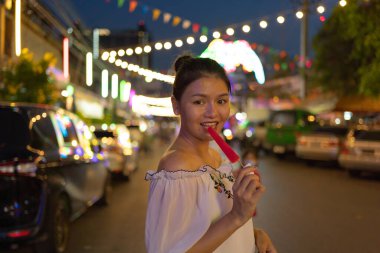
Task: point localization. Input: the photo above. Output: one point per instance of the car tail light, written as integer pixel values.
(18, 233)
(302, 141)
(19, 168)
(332, 143)
(344, 149)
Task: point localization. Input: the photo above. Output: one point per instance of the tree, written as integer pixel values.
(27, 81)
(347, 50)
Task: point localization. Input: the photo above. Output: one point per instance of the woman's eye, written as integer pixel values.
(222, 101)
(198, 102)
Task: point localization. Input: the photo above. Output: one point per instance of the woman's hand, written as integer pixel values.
(263, 242)
(247, 191)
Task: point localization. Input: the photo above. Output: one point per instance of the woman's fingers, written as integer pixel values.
(248, 185)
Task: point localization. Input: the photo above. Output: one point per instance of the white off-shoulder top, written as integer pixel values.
(183, 204)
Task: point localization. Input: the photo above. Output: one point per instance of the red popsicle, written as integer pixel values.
(227, 150)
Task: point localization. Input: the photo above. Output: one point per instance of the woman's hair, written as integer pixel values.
(189, 69)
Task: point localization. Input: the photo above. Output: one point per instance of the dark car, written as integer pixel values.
(50, 173)
(120, 152)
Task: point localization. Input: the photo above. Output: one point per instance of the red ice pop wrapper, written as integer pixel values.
(227, 150)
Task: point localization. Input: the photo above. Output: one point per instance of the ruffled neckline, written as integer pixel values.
(224, 170)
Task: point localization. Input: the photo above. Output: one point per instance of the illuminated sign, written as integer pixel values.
(232, 54)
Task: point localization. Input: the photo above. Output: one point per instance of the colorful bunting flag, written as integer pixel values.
(204, 30)
(132, 5)
(145, 9)
(186, 24)
(156, 14)
(195, 28)
(167, 17)
(120, 3)
(176, 20)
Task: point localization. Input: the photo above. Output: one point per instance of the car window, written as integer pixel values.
(43, 136)
(339, 131)
(283, 119)
(367, 135)
(67, 129)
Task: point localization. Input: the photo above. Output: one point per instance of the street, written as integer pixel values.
(305, 209)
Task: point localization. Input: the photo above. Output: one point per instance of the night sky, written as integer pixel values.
(213, 14)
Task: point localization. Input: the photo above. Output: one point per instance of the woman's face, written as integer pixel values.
(205, 103)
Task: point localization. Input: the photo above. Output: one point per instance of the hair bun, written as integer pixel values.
(181, 61)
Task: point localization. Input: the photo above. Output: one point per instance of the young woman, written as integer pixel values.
(195, 203)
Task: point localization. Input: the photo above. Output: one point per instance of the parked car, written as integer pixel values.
(120, 152)
(283, 128)
(50, 173)
(321, 144)
(361, 151)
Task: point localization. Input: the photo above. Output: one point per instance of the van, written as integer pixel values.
(283, 128)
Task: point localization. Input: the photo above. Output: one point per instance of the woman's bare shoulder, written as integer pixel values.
(174, 160)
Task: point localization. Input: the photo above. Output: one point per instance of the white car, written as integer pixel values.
(322, 144)
(361, 151)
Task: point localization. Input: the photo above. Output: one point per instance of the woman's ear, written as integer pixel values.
(175, 105)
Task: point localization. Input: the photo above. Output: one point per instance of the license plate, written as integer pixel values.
(278, 149)
(368, 151)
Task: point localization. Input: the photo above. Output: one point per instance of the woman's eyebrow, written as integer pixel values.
(204, 95)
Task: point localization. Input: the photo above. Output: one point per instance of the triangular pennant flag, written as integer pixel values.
(156, 14)
(145, 9)
(167, 17)
(195, 28)
(186, 24)
(132, 6)
(176, 20)
(204, 30)
(120, 3)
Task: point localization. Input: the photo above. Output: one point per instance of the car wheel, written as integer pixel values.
(107, 189)
(57, 229)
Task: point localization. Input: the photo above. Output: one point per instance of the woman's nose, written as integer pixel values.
(210, 110)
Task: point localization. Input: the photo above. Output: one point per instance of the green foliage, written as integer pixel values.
(347, 50)
(27, 81)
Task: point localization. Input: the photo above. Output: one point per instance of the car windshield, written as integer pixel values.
(284, 118)
(339, 131)
(367, 135)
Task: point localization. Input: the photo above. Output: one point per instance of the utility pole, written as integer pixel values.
(2, 32)
(304, 51)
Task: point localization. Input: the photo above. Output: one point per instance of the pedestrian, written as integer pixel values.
(195, 203)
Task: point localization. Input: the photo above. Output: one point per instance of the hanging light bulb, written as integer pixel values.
(138, 50)
(280, 19)
(113, 54)
(167, 45)
(263, 24)
(121, 52)
(178, 43)
(203, 38)
(129, 51)
(230, 31)
(246, 28)
(190, 40)
(105, 56)
(342, 3)
(147, 49)
(158, 46)
(299, 14)
(216, 35)
(320, 9)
